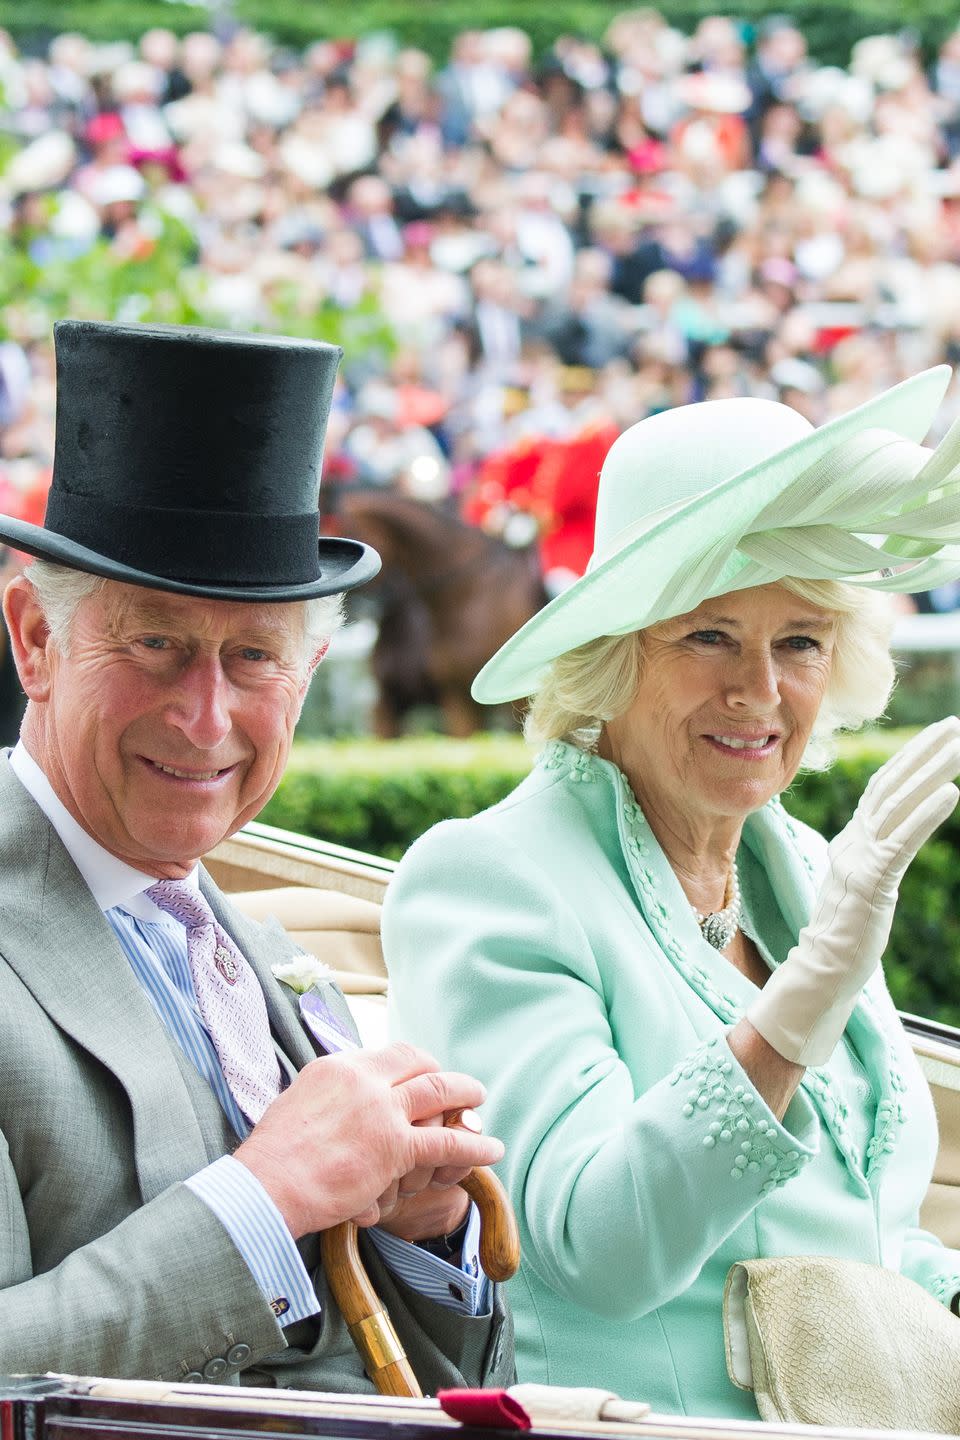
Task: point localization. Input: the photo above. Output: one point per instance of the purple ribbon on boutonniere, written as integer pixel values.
(332, 1031)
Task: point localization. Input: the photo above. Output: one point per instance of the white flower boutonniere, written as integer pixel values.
(322, 1007)
(301, 973)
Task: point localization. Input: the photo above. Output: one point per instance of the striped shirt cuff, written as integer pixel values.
(259, 1232)
(466, 1290)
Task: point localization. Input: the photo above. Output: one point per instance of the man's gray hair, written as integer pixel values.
(60, 591)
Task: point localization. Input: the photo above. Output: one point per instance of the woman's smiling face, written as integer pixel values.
(727, 700)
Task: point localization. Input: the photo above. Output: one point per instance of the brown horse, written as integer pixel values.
(451, 595)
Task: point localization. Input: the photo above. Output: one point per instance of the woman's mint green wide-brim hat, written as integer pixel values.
(719, 496)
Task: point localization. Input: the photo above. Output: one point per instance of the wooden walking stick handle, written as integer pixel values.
(499, 1238)
(371, 1328)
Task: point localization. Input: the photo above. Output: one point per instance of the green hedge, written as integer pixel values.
(380, 797)
(831, 26)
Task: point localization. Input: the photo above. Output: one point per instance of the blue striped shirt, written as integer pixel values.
(157, 952)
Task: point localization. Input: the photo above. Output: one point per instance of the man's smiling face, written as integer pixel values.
(167, 724)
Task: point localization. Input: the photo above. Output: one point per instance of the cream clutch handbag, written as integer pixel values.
(837, 1342)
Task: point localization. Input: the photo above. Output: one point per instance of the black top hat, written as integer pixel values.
(189, 460)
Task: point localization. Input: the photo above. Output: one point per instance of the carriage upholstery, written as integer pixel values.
(343, 930)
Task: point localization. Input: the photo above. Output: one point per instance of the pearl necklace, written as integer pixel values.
(719, 927)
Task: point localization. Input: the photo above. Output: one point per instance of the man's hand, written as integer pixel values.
(425, 1216)
(352, 1126)
(427, 1203)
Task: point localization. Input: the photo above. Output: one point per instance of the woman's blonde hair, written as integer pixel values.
(586, 687)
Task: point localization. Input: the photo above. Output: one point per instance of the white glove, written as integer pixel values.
(804, 1007)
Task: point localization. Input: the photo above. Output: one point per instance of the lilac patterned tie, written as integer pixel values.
(229, 998)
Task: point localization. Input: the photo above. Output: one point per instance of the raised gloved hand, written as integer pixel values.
(803, 1008)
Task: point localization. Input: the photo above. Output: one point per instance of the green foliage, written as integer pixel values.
(359, 328)
(32, 21)
(379, 797)
(99, 284)
(165, 286)
(831, 26)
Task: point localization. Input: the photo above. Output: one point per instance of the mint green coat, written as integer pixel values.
(547, 947)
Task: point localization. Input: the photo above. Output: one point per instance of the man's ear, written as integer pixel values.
(29, 637)
(315, 661)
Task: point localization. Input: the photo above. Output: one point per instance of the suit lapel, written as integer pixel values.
(55, 937)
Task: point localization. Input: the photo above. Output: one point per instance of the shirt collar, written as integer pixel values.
(111, 881)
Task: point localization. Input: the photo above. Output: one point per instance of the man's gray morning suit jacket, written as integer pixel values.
(109, 1265)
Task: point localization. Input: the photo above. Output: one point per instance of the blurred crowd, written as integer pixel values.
(553, 246)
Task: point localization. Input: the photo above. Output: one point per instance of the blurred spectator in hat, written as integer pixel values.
(69, 57)
(801, 385)
(779, 59)
(347, 136)
(369, 207)
(777, 281)
(497, 322)
(160, 48)
(472, 88)
(159, 167)
(509, 50)
(205, 113)
(724, 373)
(38, 107)
(415, 105)
(342, 265)
(717, 45)
(106, 141)
(532, 236)
(459, 239)
(618, 228)
(546, 212)
(138, 89)
(200, 57)
(517, 130)
(115, 193)
(41, 165)
(779, 134)
(663, 295)
(417, 297)
(587, 325)
(713, 136)
(250, 84)
(945, 83)
(424, 178)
